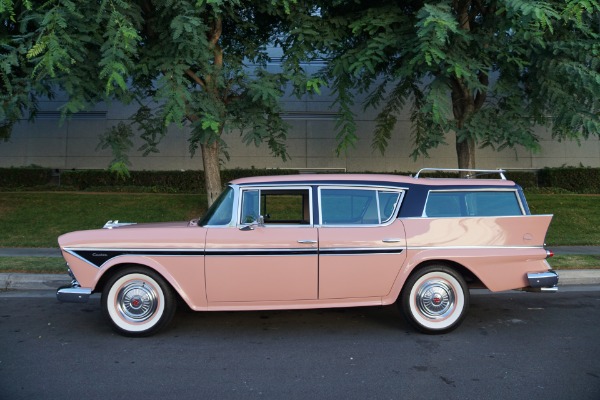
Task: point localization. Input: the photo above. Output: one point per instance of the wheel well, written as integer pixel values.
(471, 279)
(116, 268)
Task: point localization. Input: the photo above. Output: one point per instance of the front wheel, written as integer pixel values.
(435, 299)
(137, 302)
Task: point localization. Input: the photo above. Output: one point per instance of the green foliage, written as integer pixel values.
(119, 140)
(24, 177)
(489, 71)
(157, 181)
(575, 180)
(200, 63)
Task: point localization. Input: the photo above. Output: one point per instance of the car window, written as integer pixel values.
(275, 206)
(220, 212)
(357, 206)
(472, 204)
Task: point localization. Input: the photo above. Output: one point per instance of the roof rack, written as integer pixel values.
(474, 172)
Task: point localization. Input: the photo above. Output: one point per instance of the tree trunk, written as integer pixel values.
(212, 175)
(465, 152)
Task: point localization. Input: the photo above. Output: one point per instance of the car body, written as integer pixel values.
(318, 241)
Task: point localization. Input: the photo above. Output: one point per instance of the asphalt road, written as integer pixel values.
(513, 345)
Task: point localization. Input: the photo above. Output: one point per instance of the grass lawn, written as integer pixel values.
(36, 219)
(576, 218)
(33, 265)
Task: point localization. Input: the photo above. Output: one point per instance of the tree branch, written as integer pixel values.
(195, 78)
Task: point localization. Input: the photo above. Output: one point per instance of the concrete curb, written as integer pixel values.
(53, 281)
(33, 281)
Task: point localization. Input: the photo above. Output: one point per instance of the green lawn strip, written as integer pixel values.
(33, 265)
(576, 219)
(572, 261)
(36, 219)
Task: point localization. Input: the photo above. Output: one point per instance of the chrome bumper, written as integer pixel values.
(73, 293)
(542, 281)
(70, 294)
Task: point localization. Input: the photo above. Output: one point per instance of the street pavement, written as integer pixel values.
(18, 281)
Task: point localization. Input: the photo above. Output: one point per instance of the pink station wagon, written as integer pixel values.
(317, 241)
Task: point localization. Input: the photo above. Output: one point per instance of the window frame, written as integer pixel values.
(377, 189)
(278, 188)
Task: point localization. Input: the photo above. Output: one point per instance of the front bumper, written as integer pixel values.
(542, 281)
(71, 294)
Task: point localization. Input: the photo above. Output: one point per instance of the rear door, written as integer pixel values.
(362, 244)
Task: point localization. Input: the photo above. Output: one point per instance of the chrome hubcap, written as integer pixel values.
(435, 299)
(137, 301)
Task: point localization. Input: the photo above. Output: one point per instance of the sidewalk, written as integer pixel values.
(17, 281)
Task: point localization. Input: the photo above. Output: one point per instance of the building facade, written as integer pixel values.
(73, 144)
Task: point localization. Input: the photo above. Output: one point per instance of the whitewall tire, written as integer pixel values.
(435, 299)
(138, 302)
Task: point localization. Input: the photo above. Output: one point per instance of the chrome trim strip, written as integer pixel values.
(472, 247)
(481, 171)
(346, 251)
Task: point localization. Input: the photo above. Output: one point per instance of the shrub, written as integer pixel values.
(576, 180)
(24, 177)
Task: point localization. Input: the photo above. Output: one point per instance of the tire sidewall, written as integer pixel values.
(435, 325)
(161, 315)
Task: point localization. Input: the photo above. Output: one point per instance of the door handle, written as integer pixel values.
(307, 241)
(392, 240)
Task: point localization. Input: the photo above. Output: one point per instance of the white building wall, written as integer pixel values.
(311, 144)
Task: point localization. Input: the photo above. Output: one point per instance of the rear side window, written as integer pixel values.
(357, 206)
(472, 204)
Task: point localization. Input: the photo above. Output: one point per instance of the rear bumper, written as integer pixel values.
(542, 281)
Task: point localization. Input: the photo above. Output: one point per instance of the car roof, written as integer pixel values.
(368, 179)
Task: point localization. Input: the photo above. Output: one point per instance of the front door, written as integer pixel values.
(271, 253)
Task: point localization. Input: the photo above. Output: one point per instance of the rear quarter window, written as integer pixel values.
(472, 204)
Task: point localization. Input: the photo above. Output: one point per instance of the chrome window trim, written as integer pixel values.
(231, 222)
(240, 196)
(401, 191)
(473, 247)
(515, 191)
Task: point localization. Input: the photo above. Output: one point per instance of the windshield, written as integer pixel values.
(220, 212)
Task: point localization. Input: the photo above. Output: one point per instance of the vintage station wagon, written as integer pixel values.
(316, 241)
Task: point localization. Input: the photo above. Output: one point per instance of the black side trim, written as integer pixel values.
(350, 251)
(99, 257)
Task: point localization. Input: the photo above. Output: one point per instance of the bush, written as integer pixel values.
(548, 180)
(24, 177)
(156, 181)
(576, 180)
(525, 179)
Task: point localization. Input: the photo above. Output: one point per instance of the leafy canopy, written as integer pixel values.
(200, 62)
(488, 70)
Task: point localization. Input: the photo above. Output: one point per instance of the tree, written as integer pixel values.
(183, 61)
(487, 70)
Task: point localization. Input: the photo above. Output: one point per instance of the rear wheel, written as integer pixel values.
(138, 302)
(435, 299)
